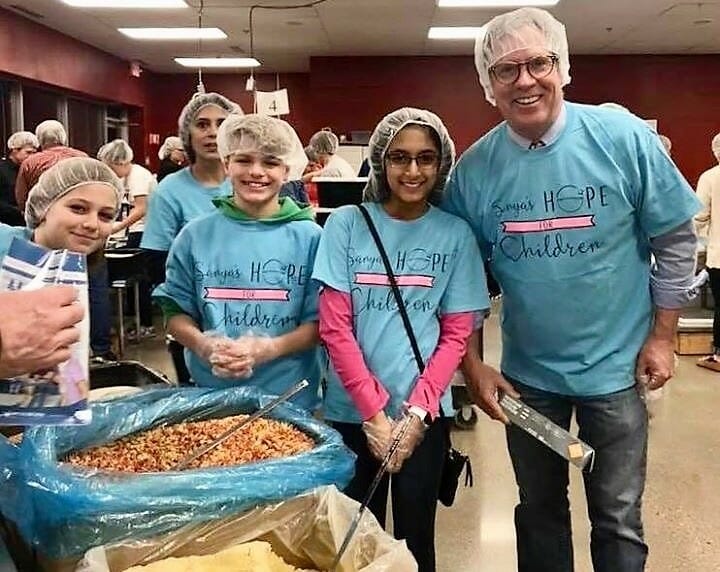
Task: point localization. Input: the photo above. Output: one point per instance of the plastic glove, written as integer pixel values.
(378, 431)
(262, 348)
(209, 344)
(412, 429)
(233, 359)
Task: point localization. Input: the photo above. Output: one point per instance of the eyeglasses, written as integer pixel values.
(401, 160)
(538, 67)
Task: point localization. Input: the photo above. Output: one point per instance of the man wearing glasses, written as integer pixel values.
(568, 202)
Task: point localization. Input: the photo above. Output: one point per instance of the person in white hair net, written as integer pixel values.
(20, 146)
(238, 293)
(376, 390)
(188, 193)
(72, 207)
(52, 139)
(138, 184)
(708, 224)
(568, 203)
(325, 145)
(172, 157)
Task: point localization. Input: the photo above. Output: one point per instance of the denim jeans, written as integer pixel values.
(100, 309)
(616, 426)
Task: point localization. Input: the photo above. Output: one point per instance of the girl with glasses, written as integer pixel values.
(375, 385)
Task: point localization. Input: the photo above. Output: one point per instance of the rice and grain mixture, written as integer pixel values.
(160, 449)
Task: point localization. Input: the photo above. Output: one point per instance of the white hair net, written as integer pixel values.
(377, 189)
(262, 134)
(22, 139)
(517, 30)
(172, 143)
(190, 111)
(51, 132)
(63, 177)
(115, 152)
(324, 142)
(715, 146)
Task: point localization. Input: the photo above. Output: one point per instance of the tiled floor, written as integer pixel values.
(682, 501)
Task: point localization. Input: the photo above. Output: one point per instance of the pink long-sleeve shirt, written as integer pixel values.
(367, 392)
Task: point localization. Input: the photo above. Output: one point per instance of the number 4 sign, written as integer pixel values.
(272, 102)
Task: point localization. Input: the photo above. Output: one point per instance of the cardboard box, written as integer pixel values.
(692, 343)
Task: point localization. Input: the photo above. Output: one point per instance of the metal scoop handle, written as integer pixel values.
(368, 496)
(200, 451)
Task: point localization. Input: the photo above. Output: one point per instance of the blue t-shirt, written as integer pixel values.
(178, 199)
(7, 233)
(439, 270)
(566, 230)
(238, 277)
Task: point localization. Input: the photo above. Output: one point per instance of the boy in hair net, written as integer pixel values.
(189, 192)
(375, 386)
(238, 293)
(568, 202)
(325, 145)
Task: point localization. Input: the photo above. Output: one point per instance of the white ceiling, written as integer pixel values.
(285, 39)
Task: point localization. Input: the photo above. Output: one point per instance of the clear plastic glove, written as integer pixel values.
(233, 358)
(210, 343)
(378, 432)
(412, 429)
(262, 348)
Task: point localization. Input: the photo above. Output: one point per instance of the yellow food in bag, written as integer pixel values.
(256, 556)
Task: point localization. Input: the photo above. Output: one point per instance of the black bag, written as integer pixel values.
(455, 461)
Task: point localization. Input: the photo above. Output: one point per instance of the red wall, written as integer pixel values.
(353, 93)
(30, 51)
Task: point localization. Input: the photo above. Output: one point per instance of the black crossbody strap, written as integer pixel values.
(396, 292)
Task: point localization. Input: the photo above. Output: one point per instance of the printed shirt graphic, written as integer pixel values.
(566, 229)
(178, 199)
(239, 277)
(438, 268)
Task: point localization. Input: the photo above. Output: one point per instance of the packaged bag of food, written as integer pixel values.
(61, 510)
(59, 395)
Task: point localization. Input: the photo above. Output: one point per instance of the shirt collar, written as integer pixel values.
(549, 137)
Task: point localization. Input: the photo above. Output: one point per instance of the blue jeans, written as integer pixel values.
(616, 426)
(100, 309)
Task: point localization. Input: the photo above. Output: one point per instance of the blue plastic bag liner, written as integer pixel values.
(59, 395)
(61, 511)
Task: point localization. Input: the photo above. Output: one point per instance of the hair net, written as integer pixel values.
(324, 142)
(115, 152)
(377, 189)
(516, 30)
(715, 146)
(51, 132)
(666, 141)
(262, 134)
(192, 108)
(311, 154)
(172, 143)
(64, 177)
(22, 139)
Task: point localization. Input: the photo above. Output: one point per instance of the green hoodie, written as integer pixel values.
(289, 211)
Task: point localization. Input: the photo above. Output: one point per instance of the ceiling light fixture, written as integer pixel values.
(218, 62)
(454, 32)
(174, 33)
(126, 3)
(494, 3)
